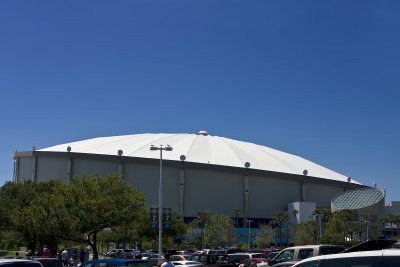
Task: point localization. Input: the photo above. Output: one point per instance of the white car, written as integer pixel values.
(19, 262)
(187, 263)
(374, 258)
(253, 262)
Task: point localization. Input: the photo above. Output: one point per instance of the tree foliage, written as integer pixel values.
(35, 210)
(217, 230)
(53, 212)
(99, 202)
(279, 218)
(139, 232)
(264, 236)
(305, 233)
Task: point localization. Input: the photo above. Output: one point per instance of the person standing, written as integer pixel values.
(46, 251)
(64, 257)
(167, 261)
(82, 255)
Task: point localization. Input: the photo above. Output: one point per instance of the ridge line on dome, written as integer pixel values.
(157, 139)
(196, 136)
(106, 143)
(228, 143)
(273, 157)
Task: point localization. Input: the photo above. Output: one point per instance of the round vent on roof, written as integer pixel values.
(204, 133)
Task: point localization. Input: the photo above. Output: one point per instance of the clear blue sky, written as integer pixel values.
(318, 79)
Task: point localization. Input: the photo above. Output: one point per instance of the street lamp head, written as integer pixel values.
(152, 147)
(168, 148)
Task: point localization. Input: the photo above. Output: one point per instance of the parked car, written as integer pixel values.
(19, 263)
(235, 258)
(272, 254)
(187, 263)
(153, 259)
(374, 258)
(183, 257)
(286, 264)
(204, 258)
(253, 262)
(377, 244)
(299, 253)
(49, 262)
(115, 262)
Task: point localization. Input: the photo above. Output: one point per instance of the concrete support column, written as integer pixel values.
(246, 180)
(16, 170)
(121, 169)
(181, 191)
(34, 168)
(303, 191)
(69, 170)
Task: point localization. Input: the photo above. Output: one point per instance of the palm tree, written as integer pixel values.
(295, 212)
(279, 218)
(237, 212)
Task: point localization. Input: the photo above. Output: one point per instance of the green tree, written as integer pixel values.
(305, 233)
(216, 230)
(347, 218)
(279, 219)
(139, 232)
(36, 210)
(101, 202)
(333, 232)
(264, 236)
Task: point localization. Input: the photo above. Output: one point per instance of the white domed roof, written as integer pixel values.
(202, 148)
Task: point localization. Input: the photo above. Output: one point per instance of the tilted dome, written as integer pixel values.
(358, 198)
(202, 148)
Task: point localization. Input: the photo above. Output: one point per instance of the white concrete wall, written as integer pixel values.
(84, 166)
(304, 210)
(219, 192)
(52, 168)
(393, 207)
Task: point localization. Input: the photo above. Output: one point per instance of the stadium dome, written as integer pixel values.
(202, 148)
(202, 173)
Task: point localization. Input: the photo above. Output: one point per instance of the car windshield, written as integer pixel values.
(259, 255)
(238, 257)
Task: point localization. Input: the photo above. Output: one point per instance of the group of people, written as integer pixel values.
(71, 257)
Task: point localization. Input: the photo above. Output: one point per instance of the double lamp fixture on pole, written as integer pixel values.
(161, 148)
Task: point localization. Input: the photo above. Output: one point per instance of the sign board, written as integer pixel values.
(167, 220)
(154, 218)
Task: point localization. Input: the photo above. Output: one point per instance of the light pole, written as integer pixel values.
(320, 217)
(160, 211)
(248, 238)
(366, 224)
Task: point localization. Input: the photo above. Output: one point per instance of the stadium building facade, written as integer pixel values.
(201, 173)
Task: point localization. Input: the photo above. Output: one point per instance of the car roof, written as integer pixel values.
(377, 244)
(385, 252)
(14, 260)
(44, 258)
(116, 260)
(313, 246)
